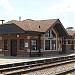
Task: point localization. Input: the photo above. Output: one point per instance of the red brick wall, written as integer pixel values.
(22, 52)
(47, 53)
(69, 47)
(19, 52)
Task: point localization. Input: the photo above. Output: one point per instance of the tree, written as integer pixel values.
(70, 28)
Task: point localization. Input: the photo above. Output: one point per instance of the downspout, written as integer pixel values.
(39, 45)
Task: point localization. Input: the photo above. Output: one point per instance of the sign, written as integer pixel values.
(26, 44)
(50, 38)
(0, 49)
(74, 47)
(0, 38)
(28, 37)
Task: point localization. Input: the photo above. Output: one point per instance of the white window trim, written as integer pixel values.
(46, 38)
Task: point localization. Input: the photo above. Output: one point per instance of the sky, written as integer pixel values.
(39, 10)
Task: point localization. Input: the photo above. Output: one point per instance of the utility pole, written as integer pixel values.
(2, 21)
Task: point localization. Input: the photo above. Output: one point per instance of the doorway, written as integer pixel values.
(13, 47)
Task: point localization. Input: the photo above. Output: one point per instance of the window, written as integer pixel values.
(34, 44)
(53, 34)
(64, 42)
(47, 34)
(21, 44)
(69, 42)
(74, 42)
(47, 44)
(50, 42)
(53, 45)
(5, 44)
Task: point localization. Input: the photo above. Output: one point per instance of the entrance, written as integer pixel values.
(63, 45)
(34, 51)
(13, 47)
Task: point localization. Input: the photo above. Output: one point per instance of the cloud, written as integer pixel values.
(63, 6)
(7, 6)
(63, 10)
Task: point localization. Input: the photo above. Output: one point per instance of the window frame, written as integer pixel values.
(48, 42)
(21, 44)
(47, 34)
(53, 44)
(33, 45)
(52, 37)
(5, 44)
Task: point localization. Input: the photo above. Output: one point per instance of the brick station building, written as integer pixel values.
(70, 41)
(32, 37)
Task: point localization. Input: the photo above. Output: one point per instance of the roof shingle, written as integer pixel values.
(71, 32)
(33, 25)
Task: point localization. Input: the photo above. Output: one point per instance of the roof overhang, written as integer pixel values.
(60, 28)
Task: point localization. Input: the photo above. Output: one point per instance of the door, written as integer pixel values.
(63, 46)
(13, 47)
(34, 48)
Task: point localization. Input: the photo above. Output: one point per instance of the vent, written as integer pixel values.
(39, 26)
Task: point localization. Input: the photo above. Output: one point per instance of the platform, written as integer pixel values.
(11, 59)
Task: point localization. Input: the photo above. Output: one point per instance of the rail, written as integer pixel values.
(25, 67)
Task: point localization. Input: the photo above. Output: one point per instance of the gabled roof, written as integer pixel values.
(60, 28)
(71, 32)
(37, 26)
(34, 25)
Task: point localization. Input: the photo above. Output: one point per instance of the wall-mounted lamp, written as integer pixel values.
(17, 35)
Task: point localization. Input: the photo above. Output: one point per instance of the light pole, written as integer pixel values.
(2, 21)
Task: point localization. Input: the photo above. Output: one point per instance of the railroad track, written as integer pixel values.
(26, 67)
